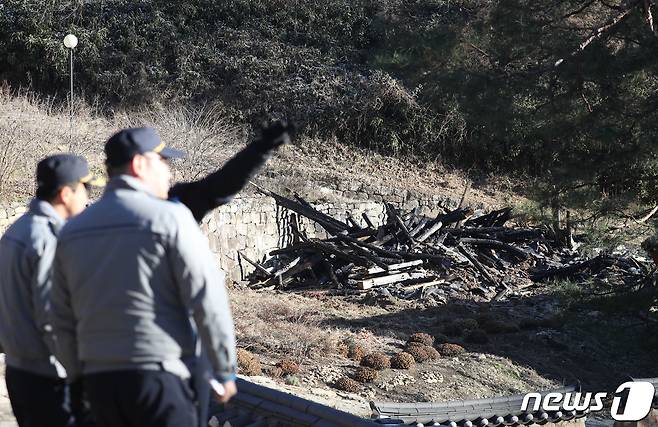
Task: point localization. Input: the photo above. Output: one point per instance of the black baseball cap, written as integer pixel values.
(125, 144)
(56, 171)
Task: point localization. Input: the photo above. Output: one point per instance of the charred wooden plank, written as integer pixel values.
(482, 269)
(256, 265)
(285, 276)
(297, 247)
(352, 221)
(418, 228)
(490, 243)
(562, 271)
(331, 273)
(396, 218)
(328, 248)
(367, 220)
(396, 267)
(367, 255)
(436, 226)
(287, 267)
(423, 285)
(372, 247)
(330, 224)
(386, 280)
(493, 219)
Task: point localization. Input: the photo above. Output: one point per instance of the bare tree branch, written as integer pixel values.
(611, 6)
(648, 15)
(479, 50)
(589, 106)
(579, 10)
(599, 32)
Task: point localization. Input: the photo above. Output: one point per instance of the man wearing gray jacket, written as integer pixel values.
(134, 282)
(36, 386)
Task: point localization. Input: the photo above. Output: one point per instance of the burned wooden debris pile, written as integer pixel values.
(458, 253)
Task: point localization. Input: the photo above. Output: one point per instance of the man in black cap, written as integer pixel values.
(35, 380)
(135, 283)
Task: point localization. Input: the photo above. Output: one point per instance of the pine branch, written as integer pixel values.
(579, 10)
(648, 15)
(601, 31)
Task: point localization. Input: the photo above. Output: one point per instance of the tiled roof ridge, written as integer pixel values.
(260, 406)
(497, 411)
(494, 411)
(257, 405)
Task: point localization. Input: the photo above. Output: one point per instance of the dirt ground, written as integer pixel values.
(534, 344)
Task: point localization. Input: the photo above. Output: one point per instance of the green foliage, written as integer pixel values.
(266, 58)
(473, 82)
(570, 294)
(588, 124)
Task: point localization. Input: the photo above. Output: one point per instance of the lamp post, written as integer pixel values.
(70, 42)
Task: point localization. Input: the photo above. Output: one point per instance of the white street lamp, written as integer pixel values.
(70, 42)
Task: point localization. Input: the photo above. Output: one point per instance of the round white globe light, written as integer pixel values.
(70, 41)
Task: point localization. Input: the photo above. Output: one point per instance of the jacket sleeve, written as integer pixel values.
(201, 288)
(41, 287)
(219, 187)
(63, 322)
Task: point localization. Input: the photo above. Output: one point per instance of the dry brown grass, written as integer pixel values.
(422, 352)
(274, 371)
(378, 361)
(365, 375)
(281, 327)
(418, 352)
(450, 350)
(248, 363)
(356, 352)
(421, 337)
(31, 128)
(288, 366)
(402, 360)
(347, 384)
(432, 352)
(342, 349)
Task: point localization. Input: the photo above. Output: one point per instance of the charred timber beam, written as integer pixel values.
(489, 243)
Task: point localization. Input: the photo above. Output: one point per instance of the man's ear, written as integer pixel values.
(137, 165)
(64, 194)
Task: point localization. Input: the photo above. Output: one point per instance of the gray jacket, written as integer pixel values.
(26, 254)
(134, 282)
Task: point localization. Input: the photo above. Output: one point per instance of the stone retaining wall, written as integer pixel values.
(254, 225)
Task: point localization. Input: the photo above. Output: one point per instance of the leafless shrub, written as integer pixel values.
(202, 132)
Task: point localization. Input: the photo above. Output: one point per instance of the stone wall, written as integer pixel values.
(254, 225)
(10, 212)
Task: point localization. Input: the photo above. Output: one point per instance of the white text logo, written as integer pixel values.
(630, 402)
